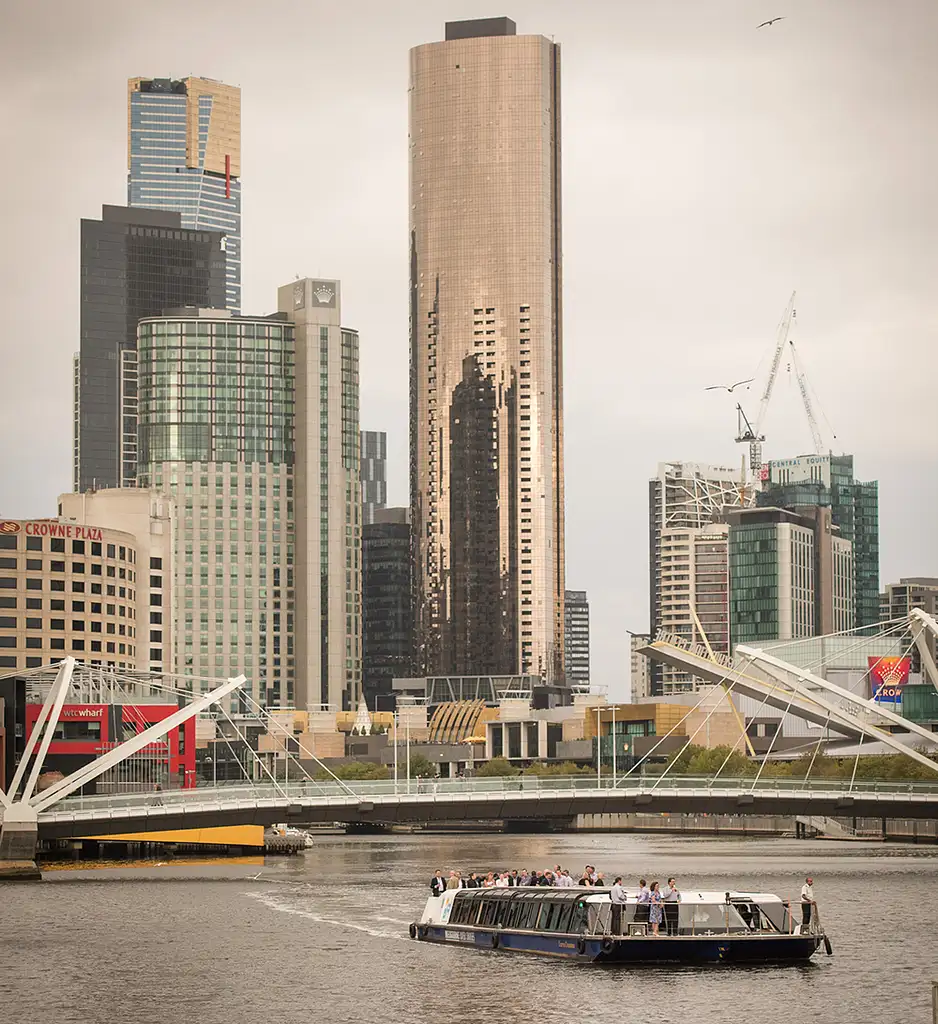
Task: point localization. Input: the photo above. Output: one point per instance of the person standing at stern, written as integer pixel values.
(807, 902)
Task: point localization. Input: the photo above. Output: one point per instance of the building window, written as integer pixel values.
(34, 543)
(7, 583)
(57, 643)
(7, 542)
(78, 547)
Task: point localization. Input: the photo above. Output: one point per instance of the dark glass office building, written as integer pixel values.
(828, 480)
(134, 263)
(387, 638)
(374, 473)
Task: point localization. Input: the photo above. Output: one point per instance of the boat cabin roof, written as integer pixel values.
(594, 895)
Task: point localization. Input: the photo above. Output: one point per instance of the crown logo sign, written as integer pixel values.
(323, 293)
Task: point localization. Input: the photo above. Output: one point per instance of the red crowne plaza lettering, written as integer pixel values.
(65, 530)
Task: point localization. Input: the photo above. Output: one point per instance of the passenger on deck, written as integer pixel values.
(453, 881)
(617, 895)
(807, 902)
(513, 878)
(437, 884)
(655, 910)
(671, 898)
(644, 902)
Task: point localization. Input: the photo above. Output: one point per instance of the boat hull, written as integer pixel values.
(683, 949)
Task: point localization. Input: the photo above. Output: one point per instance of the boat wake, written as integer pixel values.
(275, 901)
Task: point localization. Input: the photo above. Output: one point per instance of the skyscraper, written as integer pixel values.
(791, 575)
(387, 634)
(328, 497)
(184, 154)
(486, 352)
(134, 264)
(576, 611)
(687, 558)
(217, 433)
(374, 470)
(828, 480)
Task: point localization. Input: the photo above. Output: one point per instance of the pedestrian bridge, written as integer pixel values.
(529, 798)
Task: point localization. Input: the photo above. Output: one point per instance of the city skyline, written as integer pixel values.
(858, 256)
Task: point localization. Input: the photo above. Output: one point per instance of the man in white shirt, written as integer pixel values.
(807, 902)
(671, 898)
(619, 900)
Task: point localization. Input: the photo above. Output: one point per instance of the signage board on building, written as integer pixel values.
(888, 675)
(805, 468)
(51, 528)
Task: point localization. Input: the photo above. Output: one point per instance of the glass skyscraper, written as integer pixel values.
(217, 401)
(184, 154)
(828, 481)
(486, 387)
(134, 264)
(374, 470)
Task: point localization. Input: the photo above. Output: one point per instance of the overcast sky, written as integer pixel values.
(709, 169)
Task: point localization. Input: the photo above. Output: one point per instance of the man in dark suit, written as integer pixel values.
(437, 884)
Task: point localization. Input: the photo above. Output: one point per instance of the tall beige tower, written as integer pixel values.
(327, 497)
(486, 352)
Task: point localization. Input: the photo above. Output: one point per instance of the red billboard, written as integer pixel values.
(887, 677)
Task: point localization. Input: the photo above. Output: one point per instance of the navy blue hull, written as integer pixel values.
(685, 949)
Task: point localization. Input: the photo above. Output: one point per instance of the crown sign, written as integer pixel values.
(323, 293)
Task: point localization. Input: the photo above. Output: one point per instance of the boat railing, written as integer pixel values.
(736, 916)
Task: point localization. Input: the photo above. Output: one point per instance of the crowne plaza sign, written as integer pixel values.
(50, 528)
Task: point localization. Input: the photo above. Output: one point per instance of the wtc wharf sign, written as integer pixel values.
(46, 528)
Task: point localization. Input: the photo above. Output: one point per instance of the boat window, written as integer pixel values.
(775, 916)
(563, 917)
(512, 915)
(714, 917)
(578, 918)
(487, 915)
(530, 905)
(599, 918)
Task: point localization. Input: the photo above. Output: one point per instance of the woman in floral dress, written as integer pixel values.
(656, 910)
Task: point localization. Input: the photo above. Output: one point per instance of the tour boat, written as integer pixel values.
(710, 927)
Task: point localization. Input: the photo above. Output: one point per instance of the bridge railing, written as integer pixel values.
(484, 789)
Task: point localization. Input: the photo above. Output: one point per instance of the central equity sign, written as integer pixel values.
(51, 528)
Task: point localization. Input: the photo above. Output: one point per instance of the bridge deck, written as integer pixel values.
(479, 799)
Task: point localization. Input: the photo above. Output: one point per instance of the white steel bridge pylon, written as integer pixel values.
(21, 804)
(758, 674)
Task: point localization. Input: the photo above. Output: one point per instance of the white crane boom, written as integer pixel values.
(806, 399)
(747, 433)
(781, 338)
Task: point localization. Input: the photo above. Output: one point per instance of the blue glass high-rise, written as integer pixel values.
(184, 154)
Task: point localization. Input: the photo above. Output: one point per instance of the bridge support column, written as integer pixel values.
(19, 833)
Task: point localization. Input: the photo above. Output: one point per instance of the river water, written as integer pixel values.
(323, 937)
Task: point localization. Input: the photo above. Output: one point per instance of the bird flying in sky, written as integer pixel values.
(771, 21)
(731, 388)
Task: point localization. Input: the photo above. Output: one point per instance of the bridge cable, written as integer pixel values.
(690, 738)
(817, 749)
(733, 747)
(272, 721)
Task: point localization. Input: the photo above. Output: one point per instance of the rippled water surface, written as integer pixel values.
(323, 937)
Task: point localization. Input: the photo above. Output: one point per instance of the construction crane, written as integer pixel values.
(752, 435)
(806, 400)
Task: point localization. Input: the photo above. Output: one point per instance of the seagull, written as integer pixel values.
(771, 21)
(732, 388)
